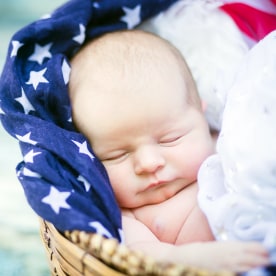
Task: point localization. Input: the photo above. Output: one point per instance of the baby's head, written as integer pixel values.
(134, 99)
(124, 62)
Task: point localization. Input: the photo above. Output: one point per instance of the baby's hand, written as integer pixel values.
(231, 256)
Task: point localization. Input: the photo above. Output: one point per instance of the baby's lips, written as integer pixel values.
(155, 184)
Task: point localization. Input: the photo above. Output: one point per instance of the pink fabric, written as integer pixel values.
(254, 21)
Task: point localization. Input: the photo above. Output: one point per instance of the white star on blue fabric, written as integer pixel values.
(36, 77)
(29, 157)
(57, 199)
(23, 100)
(86, 184)
(40, 53)
(132, 16)
(65, 68)
(26, 138)
(83, 148)
(15, 47)
(100, 228)
(81, 36)
(30, 173)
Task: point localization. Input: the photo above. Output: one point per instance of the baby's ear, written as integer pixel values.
(203, 106)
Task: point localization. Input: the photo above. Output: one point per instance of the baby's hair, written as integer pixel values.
(130, 52)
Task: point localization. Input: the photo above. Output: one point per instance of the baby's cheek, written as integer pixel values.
(120, 182)
(113, 178)
(190, 168)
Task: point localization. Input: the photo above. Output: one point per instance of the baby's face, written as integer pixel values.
(151, 141)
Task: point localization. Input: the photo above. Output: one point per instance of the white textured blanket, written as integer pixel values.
(238, 184)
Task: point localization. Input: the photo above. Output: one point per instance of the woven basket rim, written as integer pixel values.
(80, 253)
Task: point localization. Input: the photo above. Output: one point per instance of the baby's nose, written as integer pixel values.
(148, 159)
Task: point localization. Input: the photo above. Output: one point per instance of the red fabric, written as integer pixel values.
(253, 22)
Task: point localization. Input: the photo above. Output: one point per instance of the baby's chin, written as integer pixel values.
(159, 194)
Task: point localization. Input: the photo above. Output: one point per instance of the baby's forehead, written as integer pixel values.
(127, 47)
(128, 52)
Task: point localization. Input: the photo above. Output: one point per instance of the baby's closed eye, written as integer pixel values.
(170, 140)
(115, 156)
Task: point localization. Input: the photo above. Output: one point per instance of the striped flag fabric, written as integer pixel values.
(254, 18)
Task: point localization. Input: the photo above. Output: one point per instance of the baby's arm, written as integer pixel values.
(231, 256)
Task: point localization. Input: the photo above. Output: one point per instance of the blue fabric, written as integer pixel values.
(63, 181)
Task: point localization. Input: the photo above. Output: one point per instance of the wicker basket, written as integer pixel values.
(79, 253)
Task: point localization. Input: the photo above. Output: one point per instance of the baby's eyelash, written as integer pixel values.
(170, 140)
(115, 157)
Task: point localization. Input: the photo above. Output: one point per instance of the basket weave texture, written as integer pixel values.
(79, 253)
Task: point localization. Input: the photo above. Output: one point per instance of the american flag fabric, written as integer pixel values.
(255, 18)
(62, 179)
